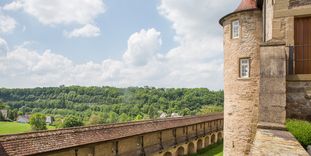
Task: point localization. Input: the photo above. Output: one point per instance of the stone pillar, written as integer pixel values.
(272, 112)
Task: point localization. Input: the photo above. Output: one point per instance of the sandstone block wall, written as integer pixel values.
(298, 100)
(241, 95)
(283, 14)
(272, 85)
(132, 146)
(297, 3)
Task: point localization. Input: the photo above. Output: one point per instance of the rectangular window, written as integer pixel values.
(235, 29)
(244, 68)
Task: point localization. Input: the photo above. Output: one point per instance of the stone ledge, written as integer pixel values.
(271, 126)
(276, 143)
(299, 77)
(272, 43)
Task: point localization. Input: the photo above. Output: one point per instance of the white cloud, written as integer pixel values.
(142, 47)
(7, 24)
(141, 65)
(85, 31)
(195, 62)
(64, 12)
(15, 5)
(3, 47)
(51, 12)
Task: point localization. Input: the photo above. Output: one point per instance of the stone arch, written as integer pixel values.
(199, 144)
(168, 154)
(191, 149)
(180, 151)
(213, 139)
(219, 136)
(206, 141)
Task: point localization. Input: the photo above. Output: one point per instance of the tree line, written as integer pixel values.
(94, 105)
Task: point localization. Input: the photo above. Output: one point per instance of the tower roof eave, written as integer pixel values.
(245, 5)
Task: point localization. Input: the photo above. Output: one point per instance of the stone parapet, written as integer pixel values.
(276, 143)
(272, 96)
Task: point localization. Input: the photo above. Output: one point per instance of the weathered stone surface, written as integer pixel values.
(298, 101)
(276, 143)
(241, 95)
(297, 3)
(272, 100)
(309, 149)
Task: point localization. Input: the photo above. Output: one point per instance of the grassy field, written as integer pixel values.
(14, 127)
(213, 150)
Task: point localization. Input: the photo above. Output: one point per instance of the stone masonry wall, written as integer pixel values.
(297, 3)
(241, 95)
(299, 100)
(272, 85)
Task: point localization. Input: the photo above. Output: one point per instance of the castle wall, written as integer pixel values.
(241, 95)
(131, 146)
(284, 13)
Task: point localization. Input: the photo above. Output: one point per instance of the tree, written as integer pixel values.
(210, 109)
(37, 122)
(152, 112)
(2, 105)
(94, 120)
(138, 117)
(123, 118)
(72, 121)
(1, 116)
(113, 117)
(12, 114)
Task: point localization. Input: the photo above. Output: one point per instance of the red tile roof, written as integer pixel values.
(246, 5)
(46, 141)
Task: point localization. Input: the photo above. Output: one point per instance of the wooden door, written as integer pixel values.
(303, 45)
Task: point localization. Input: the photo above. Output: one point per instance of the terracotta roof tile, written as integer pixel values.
(247, 5)
(45, 141)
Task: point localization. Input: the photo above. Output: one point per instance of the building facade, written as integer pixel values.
(267, 69)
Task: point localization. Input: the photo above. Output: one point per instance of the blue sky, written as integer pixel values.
(162, 43)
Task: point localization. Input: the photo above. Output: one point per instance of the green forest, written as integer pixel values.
(97, 105)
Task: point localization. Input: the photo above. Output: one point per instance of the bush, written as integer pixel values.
(72, 121)
(37, 122)
(301, 130)
(207, 109)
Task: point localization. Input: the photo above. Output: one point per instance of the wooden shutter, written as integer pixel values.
(303, 45)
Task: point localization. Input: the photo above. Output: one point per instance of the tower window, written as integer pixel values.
(235, 29)
(244, 68)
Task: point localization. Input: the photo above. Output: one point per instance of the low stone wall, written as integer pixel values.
(298, 100)
(276, 142)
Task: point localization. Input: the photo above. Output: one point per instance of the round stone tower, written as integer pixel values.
(242, 37)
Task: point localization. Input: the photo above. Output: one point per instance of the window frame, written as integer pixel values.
(233, 25)
(241, 64)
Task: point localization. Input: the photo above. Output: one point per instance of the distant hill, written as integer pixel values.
(130, 102)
